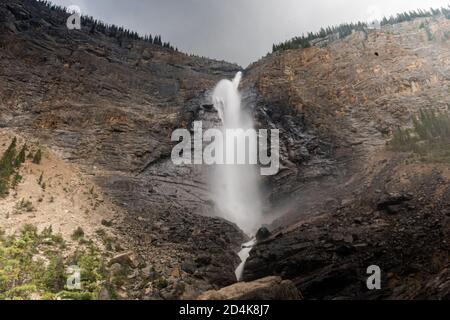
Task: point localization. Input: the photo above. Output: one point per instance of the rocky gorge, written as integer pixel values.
(342, 200)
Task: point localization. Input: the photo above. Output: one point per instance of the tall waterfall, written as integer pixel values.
(236, 186)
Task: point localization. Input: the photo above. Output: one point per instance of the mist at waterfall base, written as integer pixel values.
(236, 190)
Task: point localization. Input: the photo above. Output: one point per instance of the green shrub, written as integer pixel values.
(24, 206)
(41, 182)
(20, 159)
(29, 230)
(22, 292)
(37, 158)
(54, 277)
(10, 163)
(91, 266)
(78, 234)
(161, 283)
(7, 167)
(106, 223)
(16, 180)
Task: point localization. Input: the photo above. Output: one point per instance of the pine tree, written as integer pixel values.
(7, 167)
(37, 157)
(21, 156)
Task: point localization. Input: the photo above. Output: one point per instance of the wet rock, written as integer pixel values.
(262, 234)
(394, 209)
(270, 288)
(208, 107)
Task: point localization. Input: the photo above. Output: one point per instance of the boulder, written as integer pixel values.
(270, 288)
(262, 234)
(393, 199)
(125, 259)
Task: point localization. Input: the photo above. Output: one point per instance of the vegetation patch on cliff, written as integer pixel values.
(9, 164)
(34, 265)
(429, 137)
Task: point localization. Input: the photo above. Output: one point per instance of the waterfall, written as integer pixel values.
(236, 186)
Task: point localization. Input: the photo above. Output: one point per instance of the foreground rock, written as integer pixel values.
(270, 288)
(263, 233)
(125, 259)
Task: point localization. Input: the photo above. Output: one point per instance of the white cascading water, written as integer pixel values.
(236, 186)
(243, 255)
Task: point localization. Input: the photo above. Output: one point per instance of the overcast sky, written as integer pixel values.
(238, 31)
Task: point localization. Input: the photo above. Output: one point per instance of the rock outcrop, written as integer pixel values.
(270, 288)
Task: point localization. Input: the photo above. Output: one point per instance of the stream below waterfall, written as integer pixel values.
(243, 255)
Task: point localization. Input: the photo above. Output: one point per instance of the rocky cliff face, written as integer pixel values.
(109, 106)
(349, 202)
(340, 203)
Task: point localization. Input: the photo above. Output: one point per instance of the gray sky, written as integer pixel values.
(238, 31)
